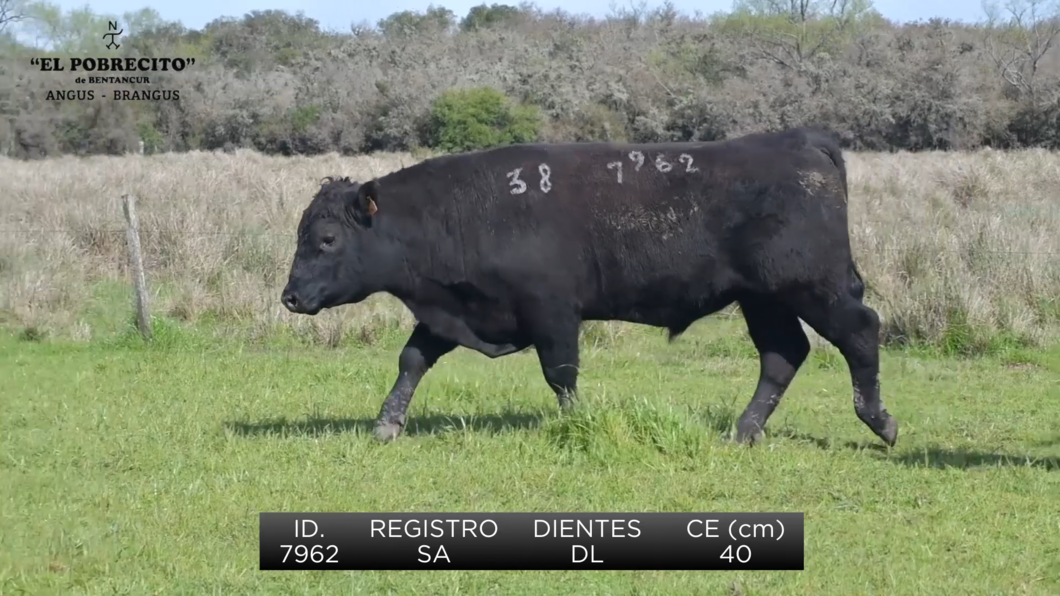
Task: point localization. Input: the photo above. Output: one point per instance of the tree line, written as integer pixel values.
(279, 83)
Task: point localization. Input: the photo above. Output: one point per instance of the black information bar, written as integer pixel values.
(532, 541)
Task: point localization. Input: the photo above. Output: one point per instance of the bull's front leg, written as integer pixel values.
(421, 351)
(555, 336)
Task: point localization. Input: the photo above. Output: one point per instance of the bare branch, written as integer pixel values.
(10, 12)
(1018, 46)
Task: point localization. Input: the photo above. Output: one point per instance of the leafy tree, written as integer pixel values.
(408, 24)
(491, 17)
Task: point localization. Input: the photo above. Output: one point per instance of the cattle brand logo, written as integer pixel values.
(113, 71)
(112, 34)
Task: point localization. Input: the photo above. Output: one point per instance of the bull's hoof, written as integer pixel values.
(884, 426)
(888, 431)
(751, 436)
(749, 429)
(386, 432)
(566, 402)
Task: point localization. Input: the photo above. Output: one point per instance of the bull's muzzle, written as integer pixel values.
(291, 301)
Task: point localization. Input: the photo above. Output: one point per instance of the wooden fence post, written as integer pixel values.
(136, 265)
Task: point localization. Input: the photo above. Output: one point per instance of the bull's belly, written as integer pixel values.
(655, 317)
(495, 334)
(676, 313)
(482, 329)
(492, 325)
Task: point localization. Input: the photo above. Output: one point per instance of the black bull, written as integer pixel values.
(513, 247)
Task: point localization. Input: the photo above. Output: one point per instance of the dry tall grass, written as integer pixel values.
(954, 246)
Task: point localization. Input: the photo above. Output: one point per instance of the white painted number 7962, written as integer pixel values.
(660, 164)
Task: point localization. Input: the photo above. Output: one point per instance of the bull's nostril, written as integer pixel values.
(290, 301)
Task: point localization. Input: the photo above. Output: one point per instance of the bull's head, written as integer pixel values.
(340, 259)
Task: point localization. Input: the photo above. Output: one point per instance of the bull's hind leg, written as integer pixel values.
(782, 348)
(421, 351)
(854, 329)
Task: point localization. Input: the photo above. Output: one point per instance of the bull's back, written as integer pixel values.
(665, 204)
(587, 181)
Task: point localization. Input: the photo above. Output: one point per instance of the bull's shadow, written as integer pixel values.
(936, 457)
(431, 424)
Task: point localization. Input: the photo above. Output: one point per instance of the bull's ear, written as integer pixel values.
(365, 202)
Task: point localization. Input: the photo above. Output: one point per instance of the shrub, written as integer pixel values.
(470, 119)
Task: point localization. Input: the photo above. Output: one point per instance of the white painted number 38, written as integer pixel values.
(517, 185)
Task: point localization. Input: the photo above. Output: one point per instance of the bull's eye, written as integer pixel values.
(328, 240)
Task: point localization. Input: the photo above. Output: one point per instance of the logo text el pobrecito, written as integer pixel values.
(111, 70)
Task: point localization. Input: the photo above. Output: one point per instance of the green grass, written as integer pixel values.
(133, 470)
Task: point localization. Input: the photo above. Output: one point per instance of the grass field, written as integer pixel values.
(136, 470)
(130, 468)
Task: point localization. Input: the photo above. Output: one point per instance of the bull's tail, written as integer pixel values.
(828, 143)
(857, 283)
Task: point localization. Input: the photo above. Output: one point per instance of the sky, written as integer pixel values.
(338, 15)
